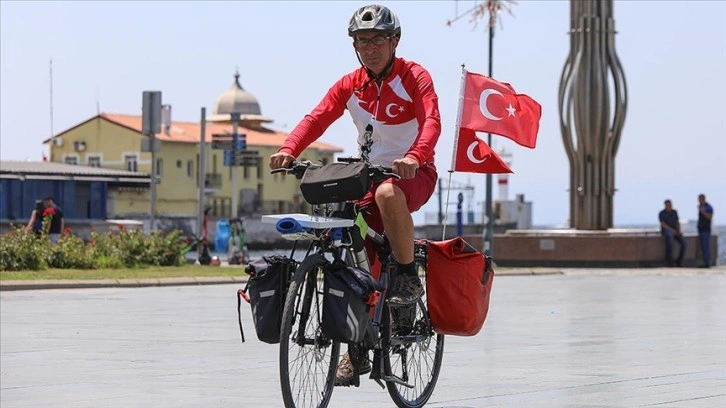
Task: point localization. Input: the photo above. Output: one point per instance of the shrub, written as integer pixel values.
(70, 252)
(105, 250)
(20, 250)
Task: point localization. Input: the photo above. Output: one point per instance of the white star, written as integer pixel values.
(511, 110)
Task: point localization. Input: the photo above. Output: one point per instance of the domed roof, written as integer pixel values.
(237, 100)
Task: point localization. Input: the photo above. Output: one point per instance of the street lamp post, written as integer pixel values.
(150, 126)
(489, 236)
(479, 11)
(202, 173)
(235, 117)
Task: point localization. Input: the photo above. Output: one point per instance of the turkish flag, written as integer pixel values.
(472, 155)
(494, 107)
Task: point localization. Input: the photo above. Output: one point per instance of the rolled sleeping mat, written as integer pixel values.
(289, 226)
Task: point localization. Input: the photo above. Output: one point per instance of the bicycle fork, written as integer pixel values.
(382, 345)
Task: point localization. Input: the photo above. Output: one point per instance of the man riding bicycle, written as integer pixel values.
(397, 98)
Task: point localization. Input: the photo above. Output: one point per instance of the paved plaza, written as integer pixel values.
(586, 338)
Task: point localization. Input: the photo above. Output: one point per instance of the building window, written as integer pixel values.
(159, 167)
(94, 161)
(190, 168)
(131, 162)
(72, 160)
(178, 164)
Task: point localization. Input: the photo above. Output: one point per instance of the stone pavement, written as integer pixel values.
(582, 338)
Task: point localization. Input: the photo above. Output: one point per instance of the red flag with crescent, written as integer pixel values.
(494, 107)
(473, 155)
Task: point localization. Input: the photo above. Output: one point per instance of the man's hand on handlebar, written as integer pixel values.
(406, 168)
(281, 160)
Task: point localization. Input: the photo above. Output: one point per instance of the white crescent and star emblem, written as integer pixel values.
(483, 104)
(388, 110)
(470, 153)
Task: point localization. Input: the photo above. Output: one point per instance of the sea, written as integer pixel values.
(688, 228)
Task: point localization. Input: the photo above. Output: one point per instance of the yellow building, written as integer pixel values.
(115, 141)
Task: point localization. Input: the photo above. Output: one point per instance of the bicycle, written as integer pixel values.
(407, 353)
(201, 245)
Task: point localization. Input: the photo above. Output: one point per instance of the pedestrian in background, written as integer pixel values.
(670, 228)
(57, 223)
(35, 225)
(705, 214)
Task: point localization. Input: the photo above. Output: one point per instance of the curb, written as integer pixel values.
(13, 285)
(527, 271)
(117, 283)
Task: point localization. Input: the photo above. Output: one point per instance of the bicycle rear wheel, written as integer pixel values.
(308, 359)
(415, 352)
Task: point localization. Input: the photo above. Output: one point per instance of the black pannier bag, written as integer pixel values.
(335, 182)
(267, 288)
(349, 294)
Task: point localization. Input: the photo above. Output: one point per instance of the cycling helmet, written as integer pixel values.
(374, 18)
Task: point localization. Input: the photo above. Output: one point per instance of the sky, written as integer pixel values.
(105, 54)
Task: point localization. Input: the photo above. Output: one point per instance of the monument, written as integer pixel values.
(592, 105)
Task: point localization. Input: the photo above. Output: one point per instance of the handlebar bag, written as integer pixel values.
(267, 286)
(335, 182)
(458, 286)
(349, 294)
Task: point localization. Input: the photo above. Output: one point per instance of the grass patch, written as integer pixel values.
(138, 273)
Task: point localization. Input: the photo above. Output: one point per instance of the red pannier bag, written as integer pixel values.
(458, 284)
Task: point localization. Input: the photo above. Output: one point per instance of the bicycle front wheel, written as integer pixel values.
(308, 359)
(415, 352)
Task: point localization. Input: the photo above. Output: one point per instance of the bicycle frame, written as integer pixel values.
(317, 228)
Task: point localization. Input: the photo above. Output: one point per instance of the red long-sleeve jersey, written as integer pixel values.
(403, 110)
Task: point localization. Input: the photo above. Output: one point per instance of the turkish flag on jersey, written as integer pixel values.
(494, 107)
(472, 155)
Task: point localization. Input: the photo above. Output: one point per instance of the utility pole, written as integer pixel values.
(202, 172)
(235, 116)
(492, 8)
(151, 125)
(489, 235)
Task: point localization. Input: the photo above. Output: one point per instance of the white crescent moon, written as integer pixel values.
(388, 110)
(470, 153)
(483, 103)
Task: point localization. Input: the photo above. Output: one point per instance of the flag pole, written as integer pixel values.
(456, 143)
(446, 209)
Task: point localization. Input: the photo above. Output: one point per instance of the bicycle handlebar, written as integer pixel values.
(298, 168)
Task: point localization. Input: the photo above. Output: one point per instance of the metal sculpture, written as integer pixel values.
(591, 117)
